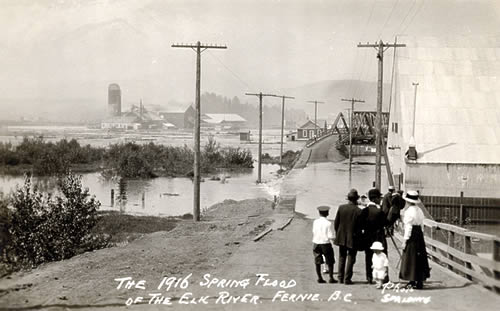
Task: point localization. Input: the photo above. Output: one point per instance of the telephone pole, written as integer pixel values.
(381, 47)
(315, 102)
(283, 97)
(260, 95)
(352, 100)
(198, 48)
(415, 84)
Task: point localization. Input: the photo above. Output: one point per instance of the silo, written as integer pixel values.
(114, 100)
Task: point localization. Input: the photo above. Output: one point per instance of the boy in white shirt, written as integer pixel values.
(322, 244)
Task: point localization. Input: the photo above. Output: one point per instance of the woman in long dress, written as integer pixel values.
(414, 262)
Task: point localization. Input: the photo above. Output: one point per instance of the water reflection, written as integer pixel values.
(165, 196)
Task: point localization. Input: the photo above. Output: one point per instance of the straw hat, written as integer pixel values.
(412, 196)
(377, 246)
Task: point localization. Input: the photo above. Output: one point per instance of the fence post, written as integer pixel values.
(451, 243)
(496, 258)
(468, 251)
(461, 216)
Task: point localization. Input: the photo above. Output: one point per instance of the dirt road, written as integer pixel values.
(217, 265)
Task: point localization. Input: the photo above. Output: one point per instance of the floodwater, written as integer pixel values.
(164, 196)
(103, 138)
(332, 182)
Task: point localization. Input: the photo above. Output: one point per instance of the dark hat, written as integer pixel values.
(353, 195)
(374, 193)
(323, 208)
(363, 196)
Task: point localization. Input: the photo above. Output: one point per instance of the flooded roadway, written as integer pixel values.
(324, 179)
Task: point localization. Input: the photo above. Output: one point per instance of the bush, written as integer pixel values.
(46, 228)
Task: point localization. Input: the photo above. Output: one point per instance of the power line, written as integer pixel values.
(229, 69)
(413, 17)
(351, 90)
(407, 14)
(387, 20)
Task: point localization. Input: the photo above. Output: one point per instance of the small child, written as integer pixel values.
(380, 263)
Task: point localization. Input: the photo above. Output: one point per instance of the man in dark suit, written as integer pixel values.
(373, 221)
(387, 200)
(347, 231)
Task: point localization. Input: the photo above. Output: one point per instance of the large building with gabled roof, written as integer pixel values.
(457, 116)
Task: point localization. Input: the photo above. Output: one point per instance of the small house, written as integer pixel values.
(309, 130)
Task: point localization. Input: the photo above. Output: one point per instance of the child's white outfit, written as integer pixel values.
(380, 264)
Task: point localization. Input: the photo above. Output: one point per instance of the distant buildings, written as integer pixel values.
(114, 100)
(222, 121)
(180, 119)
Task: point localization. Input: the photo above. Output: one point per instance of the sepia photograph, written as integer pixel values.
(250, 155)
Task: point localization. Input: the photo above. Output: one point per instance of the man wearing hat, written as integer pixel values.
(348, 230)
(373, 222)
(387, 200)
(322, 246)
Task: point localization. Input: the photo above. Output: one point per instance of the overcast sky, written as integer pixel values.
(72, 49)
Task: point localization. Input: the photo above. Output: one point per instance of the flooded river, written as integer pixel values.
(164, 196)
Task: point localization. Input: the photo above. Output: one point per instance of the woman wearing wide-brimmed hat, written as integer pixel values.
(414, 262)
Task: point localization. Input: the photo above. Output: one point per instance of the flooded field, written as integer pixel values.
(102, 138)
(164, 196)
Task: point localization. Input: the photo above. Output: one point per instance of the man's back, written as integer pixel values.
(373, 218)
(346, 224)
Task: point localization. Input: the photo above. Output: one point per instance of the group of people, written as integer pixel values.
(362, 224)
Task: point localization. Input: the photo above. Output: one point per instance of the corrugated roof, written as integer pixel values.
(216, 118)
(458, 98)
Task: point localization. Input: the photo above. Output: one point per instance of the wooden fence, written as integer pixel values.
(459, 209)
(471, 254)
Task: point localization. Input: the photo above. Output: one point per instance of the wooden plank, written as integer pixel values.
(483, 262)
(286, 224)
(481, 236)
(262, 234)
(483, 278)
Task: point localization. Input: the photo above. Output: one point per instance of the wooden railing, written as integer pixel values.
(471, 254)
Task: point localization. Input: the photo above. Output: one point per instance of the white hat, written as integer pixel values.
(412, 197)
(377, 246)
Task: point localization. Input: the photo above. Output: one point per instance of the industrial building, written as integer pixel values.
(180, 119)
(444, 133)
(222, 121)
(114, 100)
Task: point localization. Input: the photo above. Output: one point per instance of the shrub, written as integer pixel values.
(46, 228)
(237, 157)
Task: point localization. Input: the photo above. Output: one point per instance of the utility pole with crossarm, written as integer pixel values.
(260, 95)
(315, 102)
(283, 97)
(352, 100)
(381, 47)
(198, 48)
